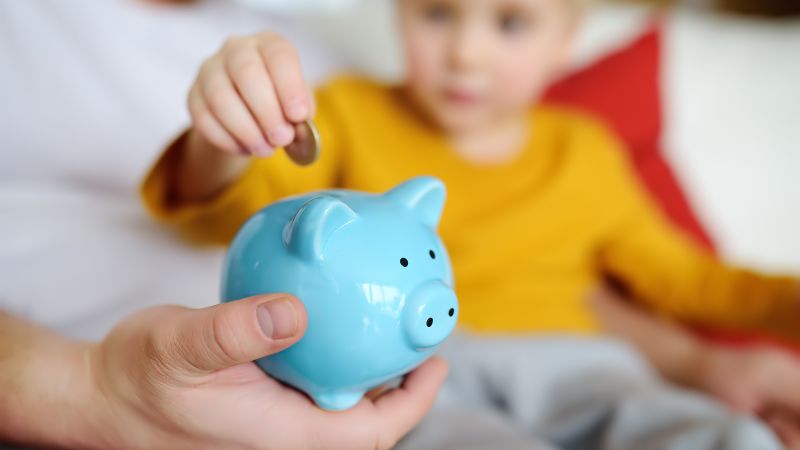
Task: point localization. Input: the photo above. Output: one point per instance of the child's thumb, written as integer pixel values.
(237, 332)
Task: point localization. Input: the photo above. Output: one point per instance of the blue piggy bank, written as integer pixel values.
(372, 273)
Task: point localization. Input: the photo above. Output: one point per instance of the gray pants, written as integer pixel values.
(571, 393)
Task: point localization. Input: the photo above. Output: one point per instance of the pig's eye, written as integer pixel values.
(433, 255)
(403, 262)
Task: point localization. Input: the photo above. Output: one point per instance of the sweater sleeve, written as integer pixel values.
(216, 220)
(670, 272)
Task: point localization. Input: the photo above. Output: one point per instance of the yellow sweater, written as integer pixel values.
(528, 239)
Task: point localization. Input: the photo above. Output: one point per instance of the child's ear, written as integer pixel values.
(314, 224)
(424, 196)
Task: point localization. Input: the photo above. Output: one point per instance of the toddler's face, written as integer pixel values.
(472, 61)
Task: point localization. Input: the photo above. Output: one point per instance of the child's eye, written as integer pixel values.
(512, 22)
(438, 12)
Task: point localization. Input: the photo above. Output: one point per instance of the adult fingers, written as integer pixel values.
(202, 341)
(399, 410)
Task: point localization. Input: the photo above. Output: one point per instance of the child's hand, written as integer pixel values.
(249, 94)
(761, 381)
(174, 378)
(245, 101)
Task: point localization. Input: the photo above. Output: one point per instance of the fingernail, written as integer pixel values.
(264, 150)
(297, 109)
(281, 135)
(277, 319)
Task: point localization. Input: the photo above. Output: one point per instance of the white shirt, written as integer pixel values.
(90, 92)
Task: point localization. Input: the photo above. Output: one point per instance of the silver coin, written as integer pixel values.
(304, 150)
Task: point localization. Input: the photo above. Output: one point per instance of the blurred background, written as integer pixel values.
(706, 94)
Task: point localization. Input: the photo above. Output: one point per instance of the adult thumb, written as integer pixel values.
(237, 332)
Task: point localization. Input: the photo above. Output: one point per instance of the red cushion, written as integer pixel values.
(624, 90)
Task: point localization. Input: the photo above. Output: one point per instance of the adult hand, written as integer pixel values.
(170, 377)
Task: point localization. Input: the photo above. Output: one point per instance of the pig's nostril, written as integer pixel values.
(451, 312)
(429, 323)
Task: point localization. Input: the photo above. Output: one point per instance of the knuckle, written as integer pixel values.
(251, 133)
(247, 69)
(370, 437)
(194, 106)
(233, 43)
(266, 37)
(204, 67)
(271, 115)
(385, 441)
(217, 97)
(224, 342)
(158, 352)
(278, 49)
(204, 123)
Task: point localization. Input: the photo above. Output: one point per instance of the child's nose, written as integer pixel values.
(467, 50)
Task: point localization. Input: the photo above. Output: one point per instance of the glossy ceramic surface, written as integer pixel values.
(373, 274)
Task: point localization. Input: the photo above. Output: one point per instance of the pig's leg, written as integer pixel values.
(337, 400)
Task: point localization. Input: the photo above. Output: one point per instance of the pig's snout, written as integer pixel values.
(431, 314)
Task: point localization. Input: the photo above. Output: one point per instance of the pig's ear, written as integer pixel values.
(422, 195)
(314, 224)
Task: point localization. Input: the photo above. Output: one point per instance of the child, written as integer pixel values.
(541, 203)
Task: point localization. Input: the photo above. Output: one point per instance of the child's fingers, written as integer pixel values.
(285, 71)
(786, 394)
(313, 102)
(249, 75)
(787, 427)
(205, 123)
(229, 109)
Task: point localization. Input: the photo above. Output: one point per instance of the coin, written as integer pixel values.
(304, 150)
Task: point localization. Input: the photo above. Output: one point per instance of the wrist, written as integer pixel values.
(204, 170)
(704, 368)
(690, 363)
(50, 401)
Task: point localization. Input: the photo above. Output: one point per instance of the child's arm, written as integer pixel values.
(751, 380)
(204, 170)
(243, 104)
(674, 352)
(669, 271)
(665, 268)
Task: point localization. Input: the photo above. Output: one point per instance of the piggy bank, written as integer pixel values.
(372, 273)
